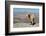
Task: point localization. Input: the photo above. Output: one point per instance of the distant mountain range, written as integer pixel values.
(14, 14)
(25, 11)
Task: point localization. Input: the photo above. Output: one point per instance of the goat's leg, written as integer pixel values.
(33, 22)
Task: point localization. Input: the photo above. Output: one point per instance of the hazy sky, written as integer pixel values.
(25, 10)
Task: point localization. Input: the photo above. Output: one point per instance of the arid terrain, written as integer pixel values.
(20, 20)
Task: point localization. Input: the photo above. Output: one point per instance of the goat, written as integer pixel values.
(31, 18)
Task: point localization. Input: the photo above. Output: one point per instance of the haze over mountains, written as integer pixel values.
(25, 11)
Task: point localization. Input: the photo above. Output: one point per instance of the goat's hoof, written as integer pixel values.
(34, 23)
